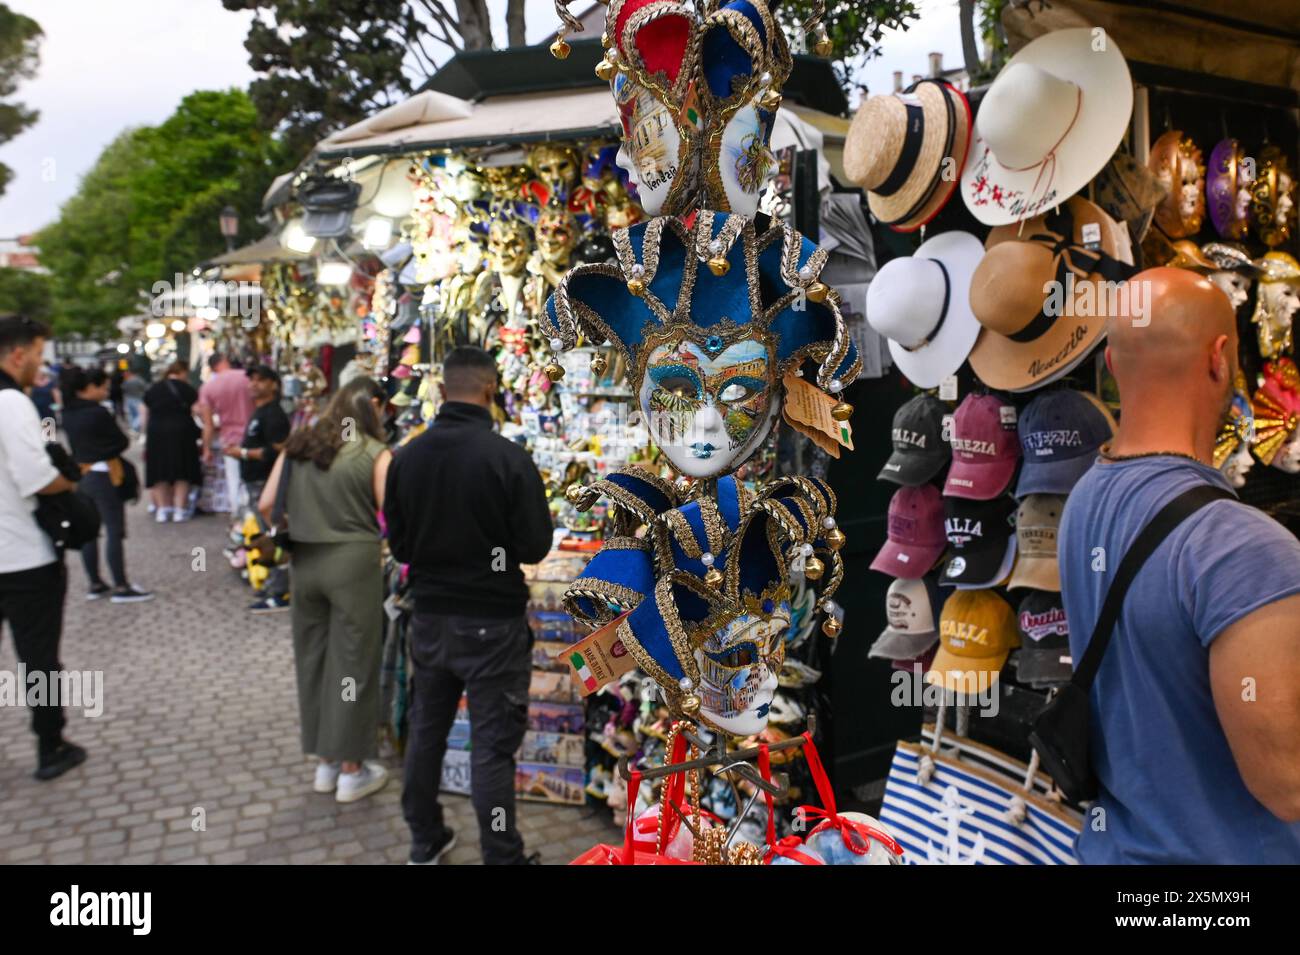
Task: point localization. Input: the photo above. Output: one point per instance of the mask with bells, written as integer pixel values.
(1276, 302)
(710, 319)
(706, 590)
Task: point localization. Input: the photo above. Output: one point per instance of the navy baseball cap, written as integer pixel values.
(1060, 433)
(921, 450)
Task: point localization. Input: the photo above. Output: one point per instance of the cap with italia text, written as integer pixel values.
(1038, 522)
(915, 533)
(921, 450)
(977, 630)
(985, 448)
(1060, 434)
(981, 539)
(1043, 659)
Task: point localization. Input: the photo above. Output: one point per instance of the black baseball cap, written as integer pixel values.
(1060, 433)
(1044, 656)
(981, 540)
(920, 449)
(265, 372)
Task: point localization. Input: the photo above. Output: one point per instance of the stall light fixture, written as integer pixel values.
(296, 239)
(123, 348)
(178, 325)
(334, 273)
(155, 330)
(378, 233)
(198, 294)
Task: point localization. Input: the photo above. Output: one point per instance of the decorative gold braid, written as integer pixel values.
(836, 564)
(684, 533)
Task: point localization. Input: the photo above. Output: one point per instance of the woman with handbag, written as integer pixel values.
(328, 487)
(171, 451)
(109, 480)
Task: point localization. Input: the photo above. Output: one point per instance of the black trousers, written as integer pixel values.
(491, 659)
(112, 513)
(32, 602)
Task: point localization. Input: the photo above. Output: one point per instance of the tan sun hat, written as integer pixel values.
(896, 149)
(1027, 339)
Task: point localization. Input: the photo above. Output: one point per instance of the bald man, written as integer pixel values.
(1195, 731)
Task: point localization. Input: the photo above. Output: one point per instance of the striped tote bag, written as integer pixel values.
(970, 805)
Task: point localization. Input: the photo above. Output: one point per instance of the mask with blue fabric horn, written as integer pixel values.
(707, 589)
(710, 317)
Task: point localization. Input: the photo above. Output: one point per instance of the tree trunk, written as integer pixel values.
(515, 23)
(475, 27)
(969, 50)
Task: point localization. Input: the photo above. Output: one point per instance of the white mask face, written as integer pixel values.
(1233, 284)
(1238, 465)
(738, 670)
(651, 149)
(709, 407)
(1288, 456)
(745, 161)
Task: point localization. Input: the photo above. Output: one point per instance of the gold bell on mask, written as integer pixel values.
(560, 49)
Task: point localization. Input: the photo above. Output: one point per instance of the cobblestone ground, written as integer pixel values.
(200, 711)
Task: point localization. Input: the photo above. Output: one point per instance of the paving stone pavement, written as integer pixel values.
(200, 711)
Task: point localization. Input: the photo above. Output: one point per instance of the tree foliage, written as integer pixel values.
(149, 207)
(855, 28)
(25, 293)
(20, 39)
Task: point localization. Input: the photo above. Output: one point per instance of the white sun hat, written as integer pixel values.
(921, 303)
(1049, 123)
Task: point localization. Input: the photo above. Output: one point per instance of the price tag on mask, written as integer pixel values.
(948, 388)
(599, 658)
(808, 410)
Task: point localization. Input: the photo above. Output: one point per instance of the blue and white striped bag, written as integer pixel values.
(973, 809)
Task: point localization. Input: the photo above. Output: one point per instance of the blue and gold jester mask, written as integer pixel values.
(707, 588)
(710, 318)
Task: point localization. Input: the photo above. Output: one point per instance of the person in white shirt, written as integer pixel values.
(32, 578)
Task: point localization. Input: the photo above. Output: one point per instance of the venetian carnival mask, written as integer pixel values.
(1276, 302)
(1232, 447)
(702, 597)
(1233, 270)
(505, 182)
(1176, 161)
(1228, 183)
(710, 320)
(557, 234)
(1276, 409)
(1273, 198)
(697, 91)
(555, 165)
(508, 246)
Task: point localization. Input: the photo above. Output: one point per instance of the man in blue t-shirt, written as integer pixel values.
(1195, 724)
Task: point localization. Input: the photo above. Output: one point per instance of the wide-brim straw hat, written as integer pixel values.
(1049, 123)
(1025, 343)
(907, 149)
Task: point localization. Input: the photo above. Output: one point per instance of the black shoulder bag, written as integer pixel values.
(1060, 731)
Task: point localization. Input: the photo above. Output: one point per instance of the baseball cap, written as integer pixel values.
(1044, 656)
(981, 535)
(912, 608)
(1060, 434)
(985, 448)
(916, 538)
(1038, 520)
(263, 371)
(977, 630)
(920, 449)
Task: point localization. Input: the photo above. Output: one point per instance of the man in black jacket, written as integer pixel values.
(465, 507)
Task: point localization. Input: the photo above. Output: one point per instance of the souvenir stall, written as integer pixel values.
(1070, 183)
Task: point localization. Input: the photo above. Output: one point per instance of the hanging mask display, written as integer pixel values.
(1272, 207)
(1228, 181)
(706, 591)
(1232, 446)
(1276, 302)
(1233, 270)
(508, 246)
(1176, 161)
(1276, 408)
(556, 166)
(710, 319)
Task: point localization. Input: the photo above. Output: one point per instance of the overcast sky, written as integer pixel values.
(106, 66)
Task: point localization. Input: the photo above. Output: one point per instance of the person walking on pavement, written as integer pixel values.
(334, 492)
(267, 431)
(133, 391)
(33, 582)
(97, 446)
(225, 405)
(171, 450)
(465, 507)
(1192, 769)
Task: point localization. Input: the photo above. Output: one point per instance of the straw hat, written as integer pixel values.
(899, 148)
(1176, 160)
(1048, 124)
(1033, 298)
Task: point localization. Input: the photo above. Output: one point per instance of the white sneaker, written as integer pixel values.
(370, 778)
(162, 515)
(327, 777)
(179, 516)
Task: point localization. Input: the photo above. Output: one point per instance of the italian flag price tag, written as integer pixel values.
(599, 658)
(808, 410)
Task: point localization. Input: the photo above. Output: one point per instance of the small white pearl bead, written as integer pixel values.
(828, 523)
(766, 79)
(715, 246)
(686, 683)
(612, 55)
(806, 550)
(706, 559)
(556, 344)
(836, 386)
(638, 269)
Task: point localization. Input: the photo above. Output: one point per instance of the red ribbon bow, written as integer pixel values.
(790, 847)
(857, 836)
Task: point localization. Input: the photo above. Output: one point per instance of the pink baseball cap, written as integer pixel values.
(916, 535)
(985, 448)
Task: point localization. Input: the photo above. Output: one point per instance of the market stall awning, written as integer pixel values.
(528, 117)
(265, 249)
